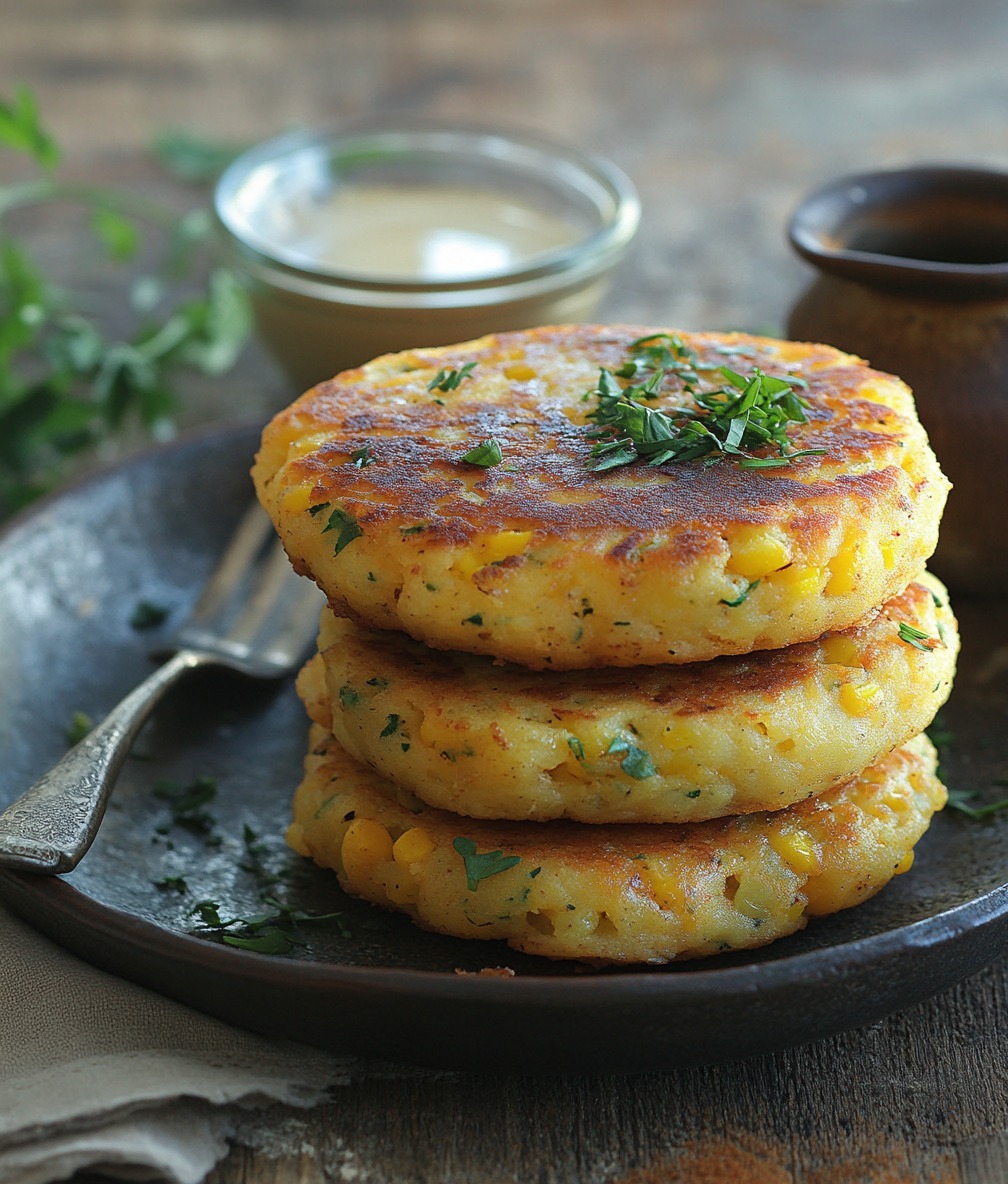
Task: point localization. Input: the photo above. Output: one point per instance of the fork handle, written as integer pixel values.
(50, 827)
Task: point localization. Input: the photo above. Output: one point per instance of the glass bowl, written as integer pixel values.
(374, 239)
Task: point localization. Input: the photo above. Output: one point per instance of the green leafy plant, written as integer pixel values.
(65, 384)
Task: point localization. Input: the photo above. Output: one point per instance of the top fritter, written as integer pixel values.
(582, 496)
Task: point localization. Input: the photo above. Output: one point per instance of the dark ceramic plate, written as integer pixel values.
(71, 574)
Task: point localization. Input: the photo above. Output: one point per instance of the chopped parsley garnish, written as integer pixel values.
(273, 932)
(576, 746)
(742, 596)
(348, 697)
(147, 615)
(449, 380)
(404, 530)
(392, 723)
(917, 638)
(746, 413)
(377, 682)
(347, 525)
(637, 762)
(188, 805)
(475, 619)
(173, 884)
(255, 850)
(666, 352)
(362, 457)
(479, 867)
(486, 455)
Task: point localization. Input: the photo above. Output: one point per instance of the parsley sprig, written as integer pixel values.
(65, 385)
(481, 866)
(486, 454)
(271, 932)
(917, 637)
(450, 380)
(745, 413)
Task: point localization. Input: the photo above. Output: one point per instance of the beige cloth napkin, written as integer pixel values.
(98, 1073)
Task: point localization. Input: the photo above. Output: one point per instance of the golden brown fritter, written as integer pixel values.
(655, 744)
(648, 893)
(542, 560)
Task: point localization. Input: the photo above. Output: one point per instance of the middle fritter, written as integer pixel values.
(498, 496)
(656, 744)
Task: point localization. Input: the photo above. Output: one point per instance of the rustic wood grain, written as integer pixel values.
(724, 114)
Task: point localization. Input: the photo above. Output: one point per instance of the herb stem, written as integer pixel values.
(44, 190)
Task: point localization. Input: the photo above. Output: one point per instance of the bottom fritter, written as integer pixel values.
(621, 893)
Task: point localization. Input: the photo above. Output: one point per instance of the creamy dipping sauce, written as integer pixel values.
(428, 233)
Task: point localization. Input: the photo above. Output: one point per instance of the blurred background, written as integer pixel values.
(723, 114)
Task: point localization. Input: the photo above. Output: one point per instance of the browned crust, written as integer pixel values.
(420, 477)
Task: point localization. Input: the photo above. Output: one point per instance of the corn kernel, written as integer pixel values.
(754, 899)
(502, 545)
(896, 801)
(755, 553)
(519, 372)
(888, 553)
(412, 846)
(669, 896)
(365, 844)
(857, 700)
(797, 849)
(786, 746)
(844, 568)
(838, 650)
(904, 865)
(802, 581)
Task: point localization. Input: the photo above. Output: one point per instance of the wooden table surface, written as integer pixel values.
(724, 114)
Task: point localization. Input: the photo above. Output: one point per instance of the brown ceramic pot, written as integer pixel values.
(914, 277)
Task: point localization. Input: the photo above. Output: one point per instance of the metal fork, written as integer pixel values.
(255, 616)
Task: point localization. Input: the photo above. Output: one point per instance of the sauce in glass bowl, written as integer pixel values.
(367, 241)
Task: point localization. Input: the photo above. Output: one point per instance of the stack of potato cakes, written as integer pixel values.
(629, 646)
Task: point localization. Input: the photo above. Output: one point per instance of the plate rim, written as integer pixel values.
(658, 990)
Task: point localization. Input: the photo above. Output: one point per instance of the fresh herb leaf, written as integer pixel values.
(188, 804)
(64, 385)
(392, 723)
(917, 638)
(362, 457)
(273, 932)
(21, 129)
(475, 619)
(479, 867)
(576, 746)
(637, 762)
(117, 233)
(486, 455)
(960, 800)
(173, 884)
(939, 733)
(255, 850)
(80, 725)
(449, 380)
(348, 697)
(745, 413)
(147, 615)
(339, 520)
(194, 158)
(742, 596)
